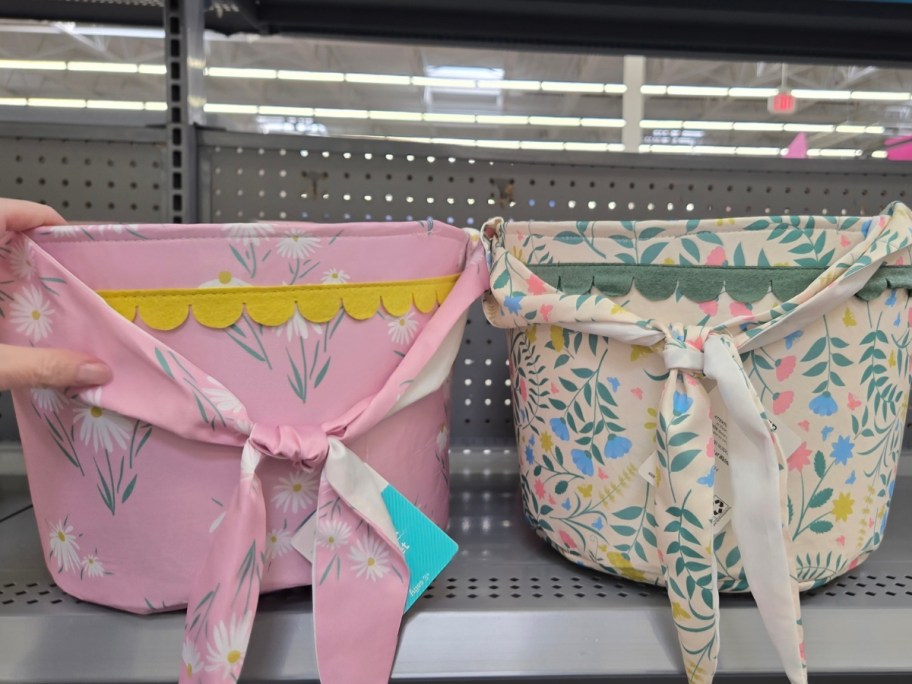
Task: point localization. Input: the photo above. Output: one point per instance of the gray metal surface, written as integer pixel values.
(508, 608)
(185, 60)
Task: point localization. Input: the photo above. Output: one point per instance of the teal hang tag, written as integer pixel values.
(427, 549)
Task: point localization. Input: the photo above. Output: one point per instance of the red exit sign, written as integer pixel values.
(782, 103)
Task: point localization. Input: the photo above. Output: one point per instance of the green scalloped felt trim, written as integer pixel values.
(705, 283)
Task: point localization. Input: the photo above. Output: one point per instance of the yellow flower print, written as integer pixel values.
(651, 424)
(849, 318)
(585, 490)
(624, 568)
(557, 338)
(532, 333)
(636, 351)
(892, 360)
(668, 261)
(842, 506)
(616, 309)
(518, 253)
(677, 611)
(547, 441)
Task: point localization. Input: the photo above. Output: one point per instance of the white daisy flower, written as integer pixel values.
(224, 279)
(190, 659)
(278, 543)
(47, 400)
(99, 426)
(92, 567)
(21, 260)
(335, 276)
(298, 327)
(402, 329)
(297, 246)
(248, 233)
(333, 534)
(371, 558)
(242, 425)
(64, 547)
(31, 313)
(443, 437)
(223, 399)
(229, 643)
(296, 491)
(218, 521)
(62, 231)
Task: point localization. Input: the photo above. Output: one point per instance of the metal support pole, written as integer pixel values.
(185, 58)
(634, 77)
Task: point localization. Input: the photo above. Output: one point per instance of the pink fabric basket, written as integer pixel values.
(244, 357)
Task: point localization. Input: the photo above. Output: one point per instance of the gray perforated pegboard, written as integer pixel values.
(86, 180)
(322, 180)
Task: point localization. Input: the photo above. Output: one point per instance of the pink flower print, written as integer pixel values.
(716, 257)
(545, 312)
(785, 367)
(841, 540)
(740, 309)
(804, 425)
(844, 241)
(800, 458)
(523, 389)
(637, 392)
(801, 651)
(711, 448)
(854, 564)
(853, 402)
(782, 401)
(900, 262)
(539, 489)
(710, 308)
(554, 389)
(602, 474)
(567, 540)
(535, 285)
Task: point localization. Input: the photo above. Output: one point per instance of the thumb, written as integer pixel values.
(30, 367)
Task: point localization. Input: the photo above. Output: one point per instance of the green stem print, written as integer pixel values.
(581, 236)
(117, 488)
(245, 340)
(203, 403)
(248, 260)
(727, 580)
(308, 376)
(200, 621)
(63, 438)
(249, 575)
(300, 269)
(826, 344)
(817, 500)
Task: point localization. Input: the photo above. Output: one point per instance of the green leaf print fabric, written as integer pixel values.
(743, 441)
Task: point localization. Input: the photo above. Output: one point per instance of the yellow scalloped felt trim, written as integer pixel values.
(222, 307)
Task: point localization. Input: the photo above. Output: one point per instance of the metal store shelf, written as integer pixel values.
(507, 608)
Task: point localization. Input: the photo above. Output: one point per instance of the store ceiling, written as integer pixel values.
(831, 111)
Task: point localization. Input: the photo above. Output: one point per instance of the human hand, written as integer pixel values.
(28, 366)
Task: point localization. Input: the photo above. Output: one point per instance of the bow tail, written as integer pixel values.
(224, 596)
(683, 511)
(360, 580)
(759, 491)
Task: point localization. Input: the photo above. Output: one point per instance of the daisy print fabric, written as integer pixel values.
(240, 380)
(712, 406)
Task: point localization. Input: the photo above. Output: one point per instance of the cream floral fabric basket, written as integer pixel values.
(712, 406)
